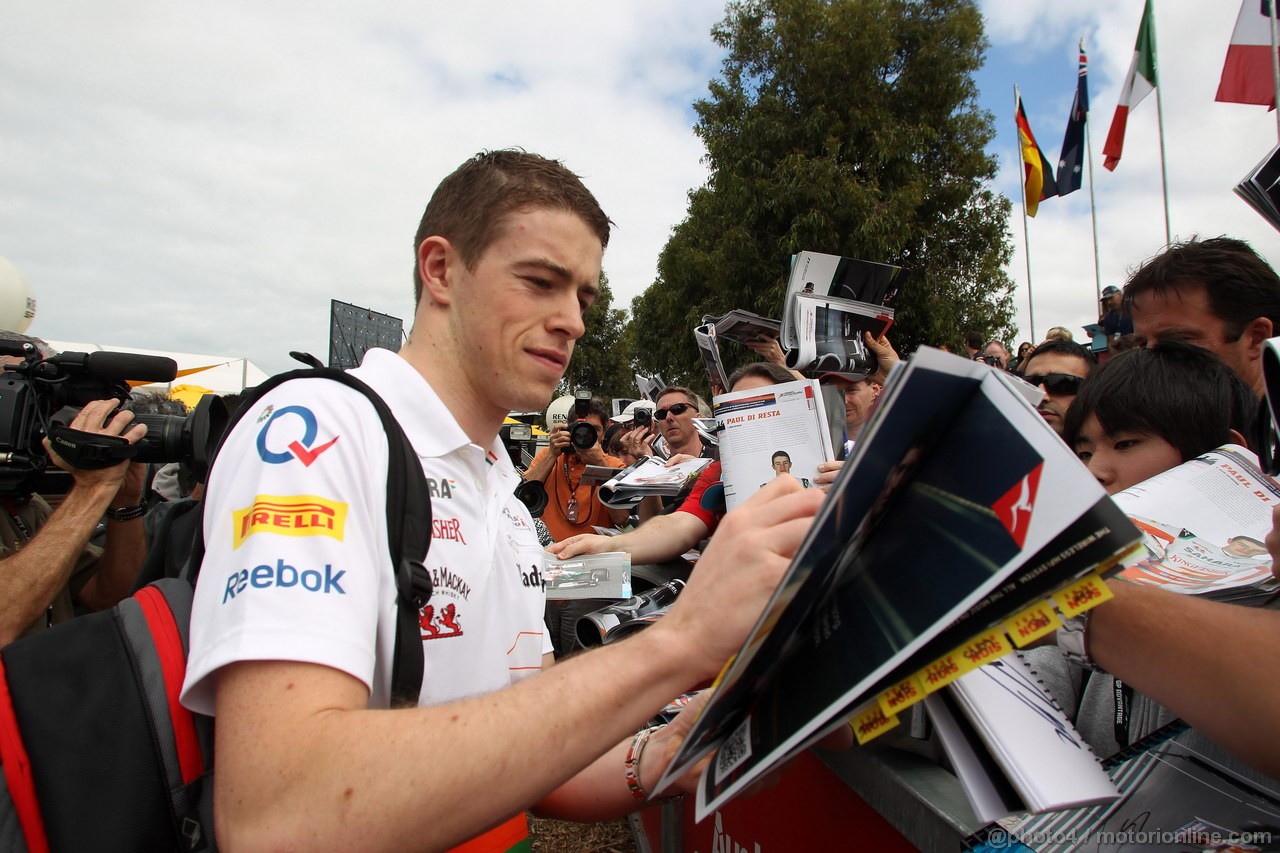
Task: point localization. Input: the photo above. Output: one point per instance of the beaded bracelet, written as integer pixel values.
(633, 763)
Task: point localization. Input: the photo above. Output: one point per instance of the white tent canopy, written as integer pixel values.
(221, 374)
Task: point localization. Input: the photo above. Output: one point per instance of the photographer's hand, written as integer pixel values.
(545, 462)
(886, 356)
(94, 418)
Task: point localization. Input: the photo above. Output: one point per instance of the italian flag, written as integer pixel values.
(1247, 75)
(1140, 83)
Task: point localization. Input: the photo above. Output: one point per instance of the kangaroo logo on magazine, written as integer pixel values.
(1015, 507)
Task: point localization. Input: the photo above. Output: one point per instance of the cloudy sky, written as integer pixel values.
(206, 177)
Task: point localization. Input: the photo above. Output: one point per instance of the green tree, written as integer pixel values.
(842, 126)
(602, 359)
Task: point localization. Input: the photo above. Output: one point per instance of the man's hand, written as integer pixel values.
(738, 573)
(583, 543)
(886, 355)
(827, 473)
(559, 440)
(639, 441)
(768, 349)
(94, 418)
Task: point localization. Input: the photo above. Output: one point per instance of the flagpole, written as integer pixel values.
(1026, 237)
(1164, 172)
(1093, 209)
(1275, 63)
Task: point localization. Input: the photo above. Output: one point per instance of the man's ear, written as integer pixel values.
(437, 262)
(1259, 330)
(1237, 438)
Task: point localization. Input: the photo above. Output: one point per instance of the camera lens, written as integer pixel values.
(643, 417)
(582, 434)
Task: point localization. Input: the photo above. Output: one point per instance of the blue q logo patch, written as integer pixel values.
(305, 451)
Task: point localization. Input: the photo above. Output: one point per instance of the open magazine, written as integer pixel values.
(744, 327)
(818, 274)
(829, 335)
(1261, 188)
(764, 432)
(932, 546)
(1182, 794)
(1204, 525)
(1000, 728)
(648, 476)
(710, 352)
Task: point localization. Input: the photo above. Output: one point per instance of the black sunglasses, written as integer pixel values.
(1056, 383)
(677, 409)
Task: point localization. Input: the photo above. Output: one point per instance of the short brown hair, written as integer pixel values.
(469, 206)
(1240, 285)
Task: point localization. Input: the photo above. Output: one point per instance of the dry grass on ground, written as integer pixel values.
(558, 836)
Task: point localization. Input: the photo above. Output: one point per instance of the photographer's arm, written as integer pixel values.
(124, 551)
(30, 578)
(544, 463)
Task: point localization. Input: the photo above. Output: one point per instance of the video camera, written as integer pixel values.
(39, 397)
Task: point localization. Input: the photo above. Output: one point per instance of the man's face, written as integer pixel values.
(516, 315)
(1240, 546)
(781, 465)
(1113, 302)
(677, 429)
(859, 398)
(1001, 354)
(1184, 314)
(1053, 408)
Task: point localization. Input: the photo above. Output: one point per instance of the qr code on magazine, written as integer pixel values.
(735, 750)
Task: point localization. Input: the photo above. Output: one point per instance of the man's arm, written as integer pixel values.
(302, 764)
(1207, 662)
(659, 539)
(30, 578)
(124, 550)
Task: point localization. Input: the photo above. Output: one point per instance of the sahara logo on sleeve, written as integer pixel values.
(284, 421)
(289, 515)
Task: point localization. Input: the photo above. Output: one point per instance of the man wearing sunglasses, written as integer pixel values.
(1058, 367)
(673, 418)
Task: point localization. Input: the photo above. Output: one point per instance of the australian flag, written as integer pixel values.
(1071, 163)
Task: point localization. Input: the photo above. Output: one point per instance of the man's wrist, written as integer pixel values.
(127, 513)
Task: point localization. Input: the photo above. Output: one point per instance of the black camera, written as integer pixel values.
(582, 433)
(642, 416)
(39, 398)
(993, 360)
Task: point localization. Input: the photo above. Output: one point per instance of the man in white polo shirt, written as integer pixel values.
(294, 614)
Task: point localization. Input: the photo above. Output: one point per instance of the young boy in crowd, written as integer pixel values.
(1149, 410)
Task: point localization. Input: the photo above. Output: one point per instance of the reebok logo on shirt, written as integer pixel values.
(284, 576)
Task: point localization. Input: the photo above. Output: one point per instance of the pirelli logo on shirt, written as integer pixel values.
(289, 515)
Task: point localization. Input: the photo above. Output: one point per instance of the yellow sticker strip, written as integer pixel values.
(1082, 595)
(1033, 623)
(901, 696)
(943, 671)
(871, 723)
(985, 649)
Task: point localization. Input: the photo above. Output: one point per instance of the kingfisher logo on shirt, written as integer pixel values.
(447, 528)
(274, 444)
(289, 515)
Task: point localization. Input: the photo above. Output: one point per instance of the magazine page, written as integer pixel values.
(1183, 794)
(1204, 525)
(1048, 762)
(832, 275)
(744, 327)
(1261, 188)
(830, 336)
(648, 476)
(764, 432)
(932, 533)
(710, 352)
(987, 789)
(605, 575)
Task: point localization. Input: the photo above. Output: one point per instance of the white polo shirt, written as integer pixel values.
(296, 563)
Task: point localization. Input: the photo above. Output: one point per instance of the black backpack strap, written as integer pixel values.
(408, 526)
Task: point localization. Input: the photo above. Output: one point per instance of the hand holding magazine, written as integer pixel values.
(960, 509)
(649, 476)
(849, 279)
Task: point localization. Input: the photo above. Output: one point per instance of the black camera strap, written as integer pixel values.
(89, 451)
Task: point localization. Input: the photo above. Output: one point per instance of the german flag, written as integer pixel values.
(1038, 182)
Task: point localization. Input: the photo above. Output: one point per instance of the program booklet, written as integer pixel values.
(1204, 525)
(710, 352)
(960, 525)
(1261, 188)
(829, 336)
(818, 274)
(648, 476)
(764, 432)
(743, 327)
